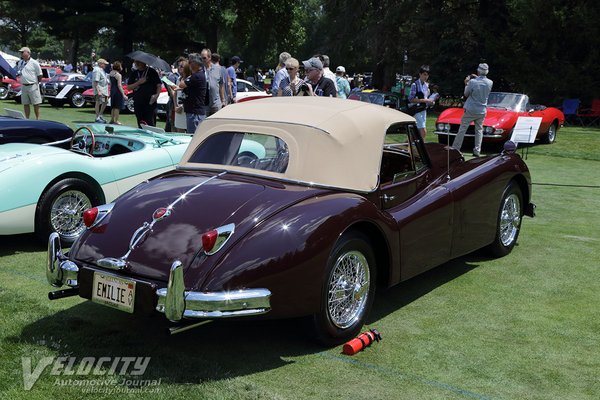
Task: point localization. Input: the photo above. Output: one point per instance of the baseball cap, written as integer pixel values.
(340, 69)
(24, 49)
(102, 61)
(313, 63)
(236, 59)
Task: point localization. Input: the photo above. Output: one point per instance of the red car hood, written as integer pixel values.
(495, 117)
(214, 203)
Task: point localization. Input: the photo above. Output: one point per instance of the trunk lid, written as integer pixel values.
(200, 203)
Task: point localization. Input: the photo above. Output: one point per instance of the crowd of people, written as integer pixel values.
(200, 86)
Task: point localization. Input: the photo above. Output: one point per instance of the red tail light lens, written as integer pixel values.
(89, 216)
(209, 239)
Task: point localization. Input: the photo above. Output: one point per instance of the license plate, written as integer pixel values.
(114, 291)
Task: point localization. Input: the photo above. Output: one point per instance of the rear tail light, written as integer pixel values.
(89, 216)
(93, 216)
(214, 240)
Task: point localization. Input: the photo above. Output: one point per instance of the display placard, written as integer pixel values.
(526, 129)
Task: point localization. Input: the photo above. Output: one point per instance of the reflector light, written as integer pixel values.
(160, 213)
(89, 216)
(209, 239)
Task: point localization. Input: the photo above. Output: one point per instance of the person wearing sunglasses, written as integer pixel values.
(294, 87)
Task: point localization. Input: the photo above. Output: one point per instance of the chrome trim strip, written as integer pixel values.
(466, 134)
(103, 211)
(223, 234)
(275, 178)
(57, 142)
(142, 232)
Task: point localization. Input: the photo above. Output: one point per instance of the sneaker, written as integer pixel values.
(100, 120)
(476, 154)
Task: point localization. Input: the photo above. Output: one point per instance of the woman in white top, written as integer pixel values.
(180, 123)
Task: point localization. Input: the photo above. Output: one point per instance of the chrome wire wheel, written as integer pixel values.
(3, 92)
(66, 213)
(348, 289)
(77, 99)
(510, 219)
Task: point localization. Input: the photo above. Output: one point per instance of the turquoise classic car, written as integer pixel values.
(46, 189)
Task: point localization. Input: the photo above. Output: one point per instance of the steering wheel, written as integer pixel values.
(246, 159)
(82, 141)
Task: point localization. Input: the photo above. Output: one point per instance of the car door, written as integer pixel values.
(420, 203)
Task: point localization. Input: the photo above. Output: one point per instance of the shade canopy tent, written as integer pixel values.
(12, 60)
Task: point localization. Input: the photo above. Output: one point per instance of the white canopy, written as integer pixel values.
(12, 60)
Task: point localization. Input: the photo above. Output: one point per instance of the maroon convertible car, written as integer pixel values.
(336, 198)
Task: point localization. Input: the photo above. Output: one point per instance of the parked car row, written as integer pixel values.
(11, 88)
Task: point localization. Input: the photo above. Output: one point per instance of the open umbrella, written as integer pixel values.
(6, 69)
(150, 59)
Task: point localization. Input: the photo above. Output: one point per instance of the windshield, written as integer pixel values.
(62, 77)
(508, 101)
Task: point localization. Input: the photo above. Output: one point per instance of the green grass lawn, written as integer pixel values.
(526, 326)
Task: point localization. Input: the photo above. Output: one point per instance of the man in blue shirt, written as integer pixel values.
(477, 90)
(235, 63)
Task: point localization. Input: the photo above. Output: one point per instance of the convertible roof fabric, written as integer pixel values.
(332, 142)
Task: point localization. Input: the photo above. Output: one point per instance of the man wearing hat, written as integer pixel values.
(321, 86)
(31, 75)
(100, 85)
(343, 86)
(477, 90)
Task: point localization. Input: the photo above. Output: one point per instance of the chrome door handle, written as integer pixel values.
(386, 197)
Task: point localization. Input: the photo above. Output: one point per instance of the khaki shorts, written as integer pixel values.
(101, 99)
(30, 94)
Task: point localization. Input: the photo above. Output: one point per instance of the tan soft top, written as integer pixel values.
(331, 142)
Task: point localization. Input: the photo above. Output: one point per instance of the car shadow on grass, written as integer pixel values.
(390, 300)
(13, 244)
(214, 351)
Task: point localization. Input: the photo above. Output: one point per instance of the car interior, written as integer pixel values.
(105, 145)
(401, 158)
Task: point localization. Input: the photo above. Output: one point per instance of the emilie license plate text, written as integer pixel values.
(113, 291)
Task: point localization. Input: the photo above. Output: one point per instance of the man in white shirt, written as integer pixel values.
(31, 76)
(100, 85)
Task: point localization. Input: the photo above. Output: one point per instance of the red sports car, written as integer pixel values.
(503, 111)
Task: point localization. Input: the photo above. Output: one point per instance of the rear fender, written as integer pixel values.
(287, 254)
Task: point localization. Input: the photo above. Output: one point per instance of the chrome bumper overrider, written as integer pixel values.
(177, 303)
(59, 269)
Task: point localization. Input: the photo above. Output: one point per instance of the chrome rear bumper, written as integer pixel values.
(174, 301)
(177, 303)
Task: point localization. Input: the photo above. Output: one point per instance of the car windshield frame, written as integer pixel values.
(508, 101)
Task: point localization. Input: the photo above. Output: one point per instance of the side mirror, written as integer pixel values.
(509, 147)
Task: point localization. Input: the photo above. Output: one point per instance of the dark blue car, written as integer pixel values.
(18, 130)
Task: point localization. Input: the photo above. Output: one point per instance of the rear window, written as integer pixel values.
(243, 149)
